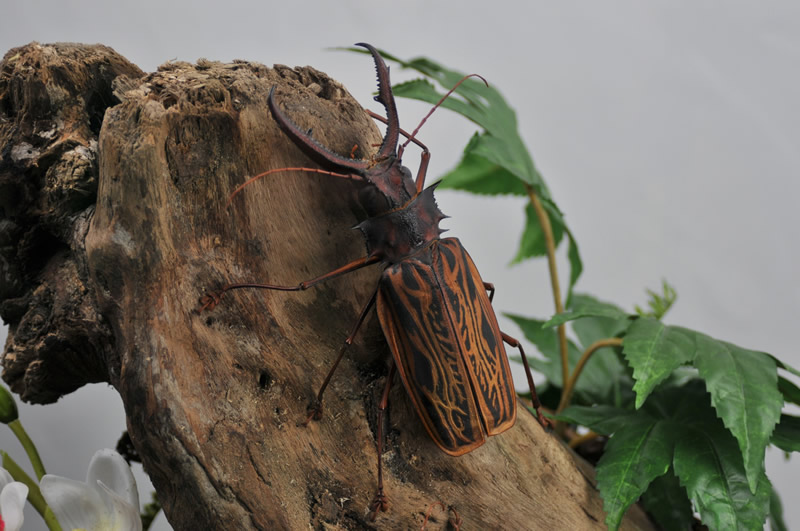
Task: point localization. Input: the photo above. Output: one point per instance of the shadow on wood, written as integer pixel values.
(114, 224)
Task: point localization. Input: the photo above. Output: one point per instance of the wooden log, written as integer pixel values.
(114, 224)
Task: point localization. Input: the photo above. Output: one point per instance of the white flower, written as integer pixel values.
(12, 501)
(108, 501)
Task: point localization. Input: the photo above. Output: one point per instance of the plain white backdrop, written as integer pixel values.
(668, 132)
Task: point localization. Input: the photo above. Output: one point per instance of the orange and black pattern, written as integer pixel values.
(447, 346)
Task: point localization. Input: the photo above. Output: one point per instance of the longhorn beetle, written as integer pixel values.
(432, 304)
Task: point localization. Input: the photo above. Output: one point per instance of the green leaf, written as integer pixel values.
(610, 367)
(668, 503)
(742, 383)
(633, 458)
(787, 434)
(509, 152)
(575, 263)
(659, 303)
(478, 175)
(532, 242)
(653, 351)
(589, 329)
(709, 465)
(589, 309)
(784, 366)
(599, 380)
(744, 390)
(790, 392)
(680, 423)
(776, 522)
(484, 106)
(680, 377)
(546, 342)
(602, 419)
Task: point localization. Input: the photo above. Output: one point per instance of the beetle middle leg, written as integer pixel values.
(210, 300)
(315, 410)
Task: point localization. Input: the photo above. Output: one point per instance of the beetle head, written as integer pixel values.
(384, 170)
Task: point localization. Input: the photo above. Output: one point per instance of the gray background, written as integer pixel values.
(667, 130)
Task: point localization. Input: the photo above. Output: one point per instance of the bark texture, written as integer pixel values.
(113, 186)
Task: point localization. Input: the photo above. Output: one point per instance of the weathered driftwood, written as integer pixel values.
(112, 187)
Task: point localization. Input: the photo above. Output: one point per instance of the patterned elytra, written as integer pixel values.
(447, 345)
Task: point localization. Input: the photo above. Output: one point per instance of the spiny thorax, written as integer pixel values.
(398, 233)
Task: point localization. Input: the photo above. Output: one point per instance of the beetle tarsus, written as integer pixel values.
(455, 520)
(544, 422)
(379, 504)
(210, 301)
(314, 413)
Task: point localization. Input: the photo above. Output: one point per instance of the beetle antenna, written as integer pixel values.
(414, 134)
(253, 179)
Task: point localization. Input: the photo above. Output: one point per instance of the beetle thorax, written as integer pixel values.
(400, 232)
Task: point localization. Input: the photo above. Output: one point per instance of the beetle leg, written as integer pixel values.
(381, 501)
(488, 286)
(426, 155)
(423, 170)
(212, 299)
(315, 411)
(534, 397)
(401, 130)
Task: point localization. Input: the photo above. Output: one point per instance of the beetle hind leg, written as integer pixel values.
(545, 422)
(380, 503)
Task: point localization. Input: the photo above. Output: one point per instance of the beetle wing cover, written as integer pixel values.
(414, 319)
(445, 339)
(478, 335)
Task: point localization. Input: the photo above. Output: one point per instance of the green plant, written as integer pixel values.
(689, 416)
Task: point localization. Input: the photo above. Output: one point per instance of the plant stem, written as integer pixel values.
(569, 388)
(550, 245)
(30, 448)
(34, 494)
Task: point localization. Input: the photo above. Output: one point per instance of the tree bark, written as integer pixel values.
(114, 224)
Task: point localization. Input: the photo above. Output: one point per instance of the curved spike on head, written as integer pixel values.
(386, 98)
(315, 151)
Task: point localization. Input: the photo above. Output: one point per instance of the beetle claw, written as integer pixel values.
(314, 413)
(209, 301)
(379, 504)
(545, 422)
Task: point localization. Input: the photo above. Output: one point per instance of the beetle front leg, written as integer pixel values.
(426, 154)
(423, 170)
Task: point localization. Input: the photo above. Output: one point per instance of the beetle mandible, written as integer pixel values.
(433, 306)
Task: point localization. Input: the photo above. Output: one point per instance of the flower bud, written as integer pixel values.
(8, 407)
